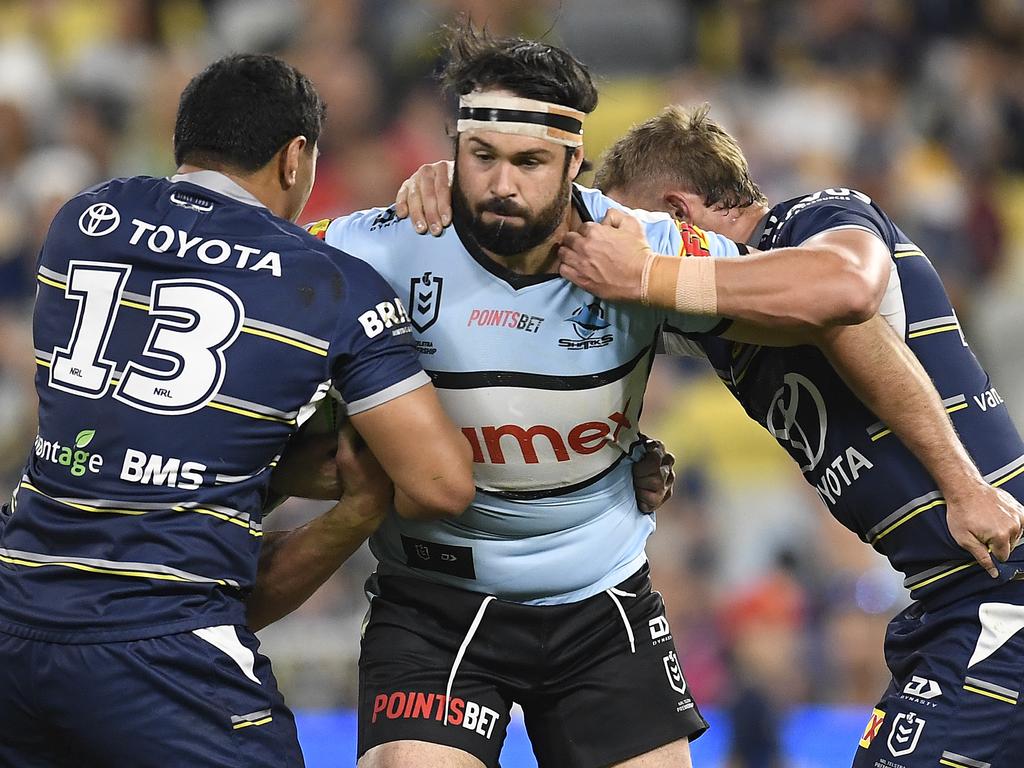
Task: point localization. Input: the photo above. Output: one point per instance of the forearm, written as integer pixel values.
(882, 371)
(293, 564)
(793, 287)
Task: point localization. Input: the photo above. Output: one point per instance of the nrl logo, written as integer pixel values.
(425, 300)
(674, 673)
(905, 733)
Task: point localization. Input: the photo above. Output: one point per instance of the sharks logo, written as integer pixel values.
(588, 321)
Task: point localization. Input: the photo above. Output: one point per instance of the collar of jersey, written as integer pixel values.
(754, 241)
(219, 183)
(514, 279)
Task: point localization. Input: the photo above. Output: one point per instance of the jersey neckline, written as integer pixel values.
(514, 279)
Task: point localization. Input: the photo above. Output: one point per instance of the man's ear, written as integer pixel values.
(575, 162)
(676, 202)
(288, 162)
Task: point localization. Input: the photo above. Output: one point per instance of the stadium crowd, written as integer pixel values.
(918, 104)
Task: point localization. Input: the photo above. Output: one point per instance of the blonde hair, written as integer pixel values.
(685, 147)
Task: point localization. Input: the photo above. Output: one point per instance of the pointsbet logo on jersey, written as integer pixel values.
(75, 458)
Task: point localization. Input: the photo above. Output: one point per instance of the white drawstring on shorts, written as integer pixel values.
(615, 594)
(462, 652)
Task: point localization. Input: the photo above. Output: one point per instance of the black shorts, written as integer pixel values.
(598, 680)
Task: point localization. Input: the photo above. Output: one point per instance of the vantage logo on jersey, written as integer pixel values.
(75, 458)
(587, 321)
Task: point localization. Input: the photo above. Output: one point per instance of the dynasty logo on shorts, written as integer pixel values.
(408, 705)
(660, 632)
(872, 728)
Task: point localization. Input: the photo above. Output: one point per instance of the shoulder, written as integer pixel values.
(665, 234)
(660, 228)
(835, 208)
(372, 228)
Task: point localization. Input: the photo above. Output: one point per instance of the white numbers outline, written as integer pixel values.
(73, 353)
(177, 336)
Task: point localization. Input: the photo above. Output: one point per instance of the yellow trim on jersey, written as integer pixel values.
(54, 283)
(220, 516)
(991, 695)
(950, 763)
(247, 723)
(909, 516)
(935, 578)
(250, 414)
(1001, 480)
(245, 329)
(82, 507)
(930, 331)
(104, 571)
(951, 409)
(903, 254)
(284, 340)
(136, 512)
(211, 404)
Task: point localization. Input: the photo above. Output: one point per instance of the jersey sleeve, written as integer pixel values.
(689, 242)
(365, 234)
(372, 355)
(834, 209)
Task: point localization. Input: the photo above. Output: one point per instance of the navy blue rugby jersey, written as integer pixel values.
(870, 482)
(182, 334)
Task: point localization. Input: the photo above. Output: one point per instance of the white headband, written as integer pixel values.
(489, 111)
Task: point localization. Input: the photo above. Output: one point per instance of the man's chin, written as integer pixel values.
(503, 239)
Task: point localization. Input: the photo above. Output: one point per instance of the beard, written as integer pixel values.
(502, 237)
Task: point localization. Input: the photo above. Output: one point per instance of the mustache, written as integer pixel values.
(503, 206)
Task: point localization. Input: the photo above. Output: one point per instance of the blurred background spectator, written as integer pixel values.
(919, 104)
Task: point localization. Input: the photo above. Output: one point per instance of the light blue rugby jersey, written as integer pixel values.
(547, 385)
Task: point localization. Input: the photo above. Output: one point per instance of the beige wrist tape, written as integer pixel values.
(686, 285)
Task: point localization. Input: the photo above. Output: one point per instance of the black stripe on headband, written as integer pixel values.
(492, 115)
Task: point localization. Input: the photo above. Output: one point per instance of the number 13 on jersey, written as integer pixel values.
(196, 321)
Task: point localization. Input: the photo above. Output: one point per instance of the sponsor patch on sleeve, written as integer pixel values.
(872, 728)
(695, 242)
(319, 228)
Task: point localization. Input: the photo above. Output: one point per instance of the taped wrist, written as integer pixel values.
(686, 285)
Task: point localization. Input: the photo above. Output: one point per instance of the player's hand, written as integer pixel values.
(654, 476)
(367, 491)
(606, 259)
(308, 469)
(426, 198)
(987, 522)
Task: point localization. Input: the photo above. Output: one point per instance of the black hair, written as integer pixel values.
(528, 68)
(240, 111)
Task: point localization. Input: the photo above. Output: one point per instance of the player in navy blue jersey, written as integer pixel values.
(957, 654)
(920, 500)
(184, 329)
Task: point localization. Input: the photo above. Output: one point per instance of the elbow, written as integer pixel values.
(447, 497)
(454, 497)
(856, 299)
